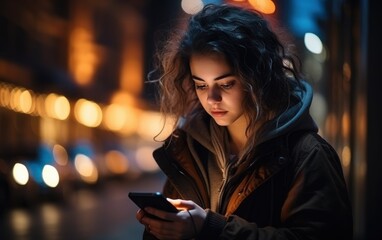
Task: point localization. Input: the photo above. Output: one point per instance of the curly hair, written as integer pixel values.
(252, 49)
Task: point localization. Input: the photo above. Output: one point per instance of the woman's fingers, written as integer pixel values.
(182, 204)
(140, 215)
(184, 224)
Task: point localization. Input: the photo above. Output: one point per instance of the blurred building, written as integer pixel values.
(74, 105)
(72, 86)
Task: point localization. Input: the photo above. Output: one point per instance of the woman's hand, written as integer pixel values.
(185, 224)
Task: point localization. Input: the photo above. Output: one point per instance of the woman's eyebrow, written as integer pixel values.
(217, 78)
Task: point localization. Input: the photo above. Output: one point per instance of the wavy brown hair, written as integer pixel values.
(252, 49)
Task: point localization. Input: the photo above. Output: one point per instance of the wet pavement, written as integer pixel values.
(102, 213)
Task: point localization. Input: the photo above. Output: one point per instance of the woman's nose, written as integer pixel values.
(214, 95)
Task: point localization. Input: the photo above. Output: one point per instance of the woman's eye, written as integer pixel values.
(225, 86)
(228, 85)
(200, 86)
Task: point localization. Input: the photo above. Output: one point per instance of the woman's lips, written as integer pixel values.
(218, 113)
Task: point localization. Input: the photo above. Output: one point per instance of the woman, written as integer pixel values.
(245, 160)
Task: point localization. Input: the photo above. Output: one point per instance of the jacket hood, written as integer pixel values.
(295, 117)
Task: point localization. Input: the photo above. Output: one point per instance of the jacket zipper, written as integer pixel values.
(223, 186)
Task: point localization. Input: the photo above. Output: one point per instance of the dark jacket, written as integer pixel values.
(293, 188)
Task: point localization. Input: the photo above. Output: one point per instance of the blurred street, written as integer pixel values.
(97, 213)
(78, 117)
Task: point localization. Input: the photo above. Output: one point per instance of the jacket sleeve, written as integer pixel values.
(316, 207)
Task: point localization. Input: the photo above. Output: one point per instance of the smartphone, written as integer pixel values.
(152, 199)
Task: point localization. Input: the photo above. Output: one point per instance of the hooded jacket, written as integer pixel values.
(292, 188)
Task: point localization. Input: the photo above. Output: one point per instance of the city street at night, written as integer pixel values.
(90, 89)
(97, 213)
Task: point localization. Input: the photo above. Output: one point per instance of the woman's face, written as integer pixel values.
(219, 91)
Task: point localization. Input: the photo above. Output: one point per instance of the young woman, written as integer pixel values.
(244, 160)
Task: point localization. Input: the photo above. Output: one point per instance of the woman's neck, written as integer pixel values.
(238, 137)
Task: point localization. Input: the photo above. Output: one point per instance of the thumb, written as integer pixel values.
(182, 204)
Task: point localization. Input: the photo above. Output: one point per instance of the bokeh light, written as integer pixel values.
(20, 173)
(313, 43)
(50, 176)
(88, 113)
(192, 6)
(86, 168)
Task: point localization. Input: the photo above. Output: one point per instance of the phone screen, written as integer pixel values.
(152, 199)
